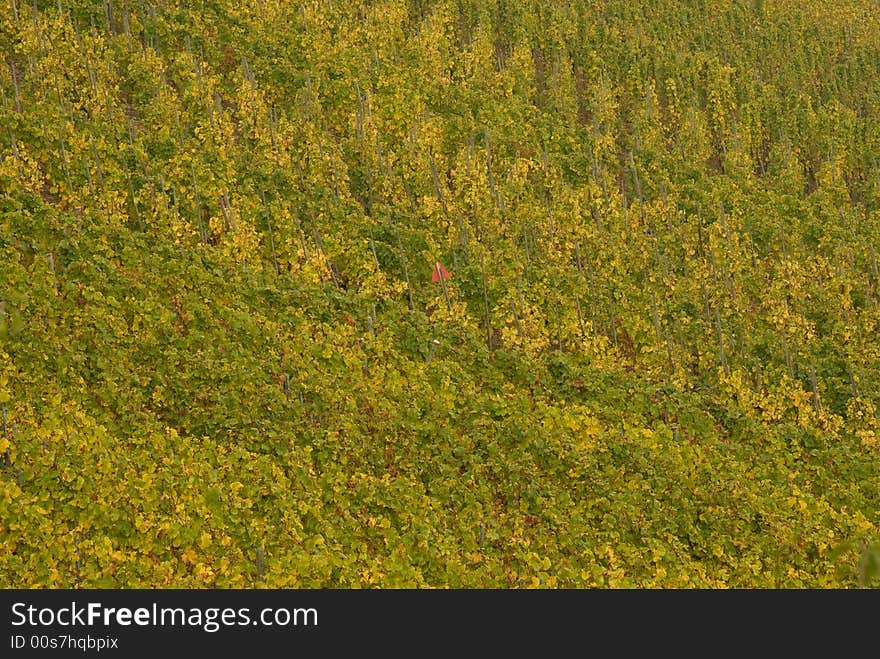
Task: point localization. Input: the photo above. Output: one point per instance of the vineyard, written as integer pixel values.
(440, 293)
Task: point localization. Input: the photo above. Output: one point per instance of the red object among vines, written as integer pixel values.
(440, 271)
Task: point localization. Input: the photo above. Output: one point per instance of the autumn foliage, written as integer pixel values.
(228, 358)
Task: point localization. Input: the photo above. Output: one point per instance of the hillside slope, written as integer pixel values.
(224, 361)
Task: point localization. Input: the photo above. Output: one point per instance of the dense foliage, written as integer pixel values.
(224, 361)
